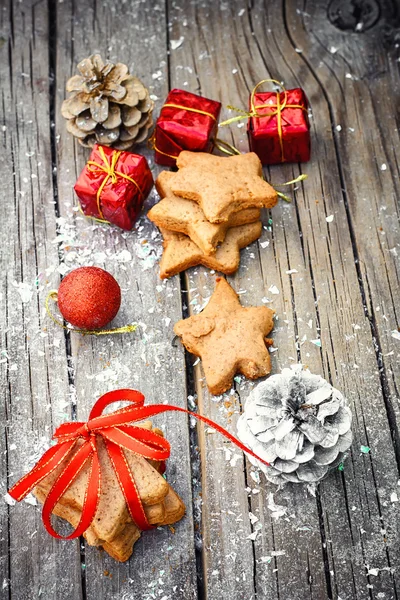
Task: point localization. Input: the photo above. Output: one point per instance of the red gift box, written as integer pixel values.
(283, 135)
(186, 122)
(113, 186)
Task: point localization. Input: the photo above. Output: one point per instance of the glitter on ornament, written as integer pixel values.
(88, 298)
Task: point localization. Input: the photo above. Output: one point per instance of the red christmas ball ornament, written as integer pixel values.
(89, 298)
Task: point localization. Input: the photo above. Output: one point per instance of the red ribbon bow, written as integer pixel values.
(117, 431)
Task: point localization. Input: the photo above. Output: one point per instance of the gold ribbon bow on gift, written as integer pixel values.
(276, 110)
(109, 169)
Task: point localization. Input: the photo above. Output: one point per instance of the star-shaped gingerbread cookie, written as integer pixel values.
(229, 338)
(222, 186)
(180, 253)
(185, 216)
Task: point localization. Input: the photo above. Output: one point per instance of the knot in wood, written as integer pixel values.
(356, 16)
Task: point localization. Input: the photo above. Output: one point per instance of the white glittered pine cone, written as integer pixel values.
(297, 422)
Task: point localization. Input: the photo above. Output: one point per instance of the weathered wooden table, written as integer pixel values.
(337, 307)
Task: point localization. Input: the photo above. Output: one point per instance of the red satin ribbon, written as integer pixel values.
(117, 431)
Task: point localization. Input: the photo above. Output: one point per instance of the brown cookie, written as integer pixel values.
(222, 186)
(185, 216)
(174, 508)
(120, 548)
(229, 338)
(181, 253)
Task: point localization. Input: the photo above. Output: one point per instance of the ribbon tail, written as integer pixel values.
(234, 119)
(226, 147)
(65, 480)
(53, 295)
(155, 409)
(128, 486)
(301, 177)
(283, 196)
(48, 462)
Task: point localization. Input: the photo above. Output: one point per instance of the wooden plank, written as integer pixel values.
(228, 560)
(33, 366)
(360, 99)
(207, 65)
(344, 273)
(347, 353)
(163, 563)
(328, 277)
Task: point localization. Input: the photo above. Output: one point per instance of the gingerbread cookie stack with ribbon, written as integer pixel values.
(112, 526)
(105, 477)
(209, 210)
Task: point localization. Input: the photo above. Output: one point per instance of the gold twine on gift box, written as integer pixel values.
(152, 145)
(279, 107)
(53, 295)
(190, 109)
(152, 139)
(226, 147)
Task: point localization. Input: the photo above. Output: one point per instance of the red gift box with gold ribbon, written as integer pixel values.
(279, 129)
(186, 122)
(113, 186)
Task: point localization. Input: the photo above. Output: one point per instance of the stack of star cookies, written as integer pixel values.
(112, 527)
(209, 210)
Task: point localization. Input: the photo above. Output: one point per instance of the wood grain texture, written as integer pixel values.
(146, 359)
(326, 292)
(337, 305)
(34, 375)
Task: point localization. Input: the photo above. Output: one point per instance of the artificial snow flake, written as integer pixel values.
(253, 518)
(25, 291)
(277, 510)
(30, 499)
(9, 500)
(273, 289)
(177, 43)
(123, 256)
